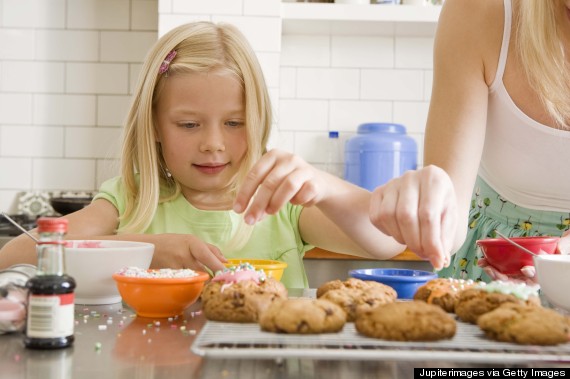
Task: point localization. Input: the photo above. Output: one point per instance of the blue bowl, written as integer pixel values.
(404, 281)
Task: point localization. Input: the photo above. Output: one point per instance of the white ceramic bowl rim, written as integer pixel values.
(553, 257)
(105, 244)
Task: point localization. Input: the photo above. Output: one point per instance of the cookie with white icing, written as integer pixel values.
(484, 298)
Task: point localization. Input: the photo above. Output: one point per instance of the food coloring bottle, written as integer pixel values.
(50, 318)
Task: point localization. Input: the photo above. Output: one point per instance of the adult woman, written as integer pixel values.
(498, 125)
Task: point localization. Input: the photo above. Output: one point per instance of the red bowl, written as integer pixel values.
(508, 258)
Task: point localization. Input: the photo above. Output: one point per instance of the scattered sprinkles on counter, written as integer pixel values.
(136, 272)
(92, 316)
(520, 290)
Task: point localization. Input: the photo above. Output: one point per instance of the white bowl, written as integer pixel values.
(93, 263)
(552, 273)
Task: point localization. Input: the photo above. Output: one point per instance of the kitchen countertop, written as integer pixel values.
(110, 342)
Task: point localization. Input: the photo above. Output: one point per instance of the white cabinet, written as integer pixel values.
(322, 18)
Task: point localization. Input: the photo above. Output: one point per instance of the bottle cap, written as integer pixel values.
(52, 224)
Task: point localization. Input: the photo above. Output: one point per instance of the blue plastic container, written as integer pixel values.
(378, 153)
(405, 281)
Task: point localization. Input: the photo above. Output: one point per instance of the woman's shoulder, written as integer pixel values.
(475, 9)
(472, 31)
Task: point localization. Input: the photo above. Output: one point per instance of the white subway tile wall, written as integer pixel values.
(68, 67)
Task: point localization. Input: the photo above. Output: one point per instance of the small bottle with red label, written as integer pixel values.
(50, 319)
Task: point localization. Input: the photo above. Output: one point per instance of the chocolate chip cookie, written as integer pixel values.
(406, 321)
(302, 316)
(355, 295)
(242, 301)
(524, 324)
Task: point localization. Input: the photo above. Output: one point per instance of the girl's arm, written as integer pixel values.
(99, 218)
(99, 221)
(336, 214)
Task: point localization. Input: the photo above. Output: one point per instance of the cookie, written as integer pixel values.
(240, 295)
(443, 292)
(350, 283)
(484, 298)
(355, 295)
(406, 321)
(526, 325)
(302, 316)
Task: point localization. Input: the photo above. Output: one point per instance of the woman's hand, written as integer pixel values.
(418, 209)
(277, 178)
(528, 273)
(564, 243)
(185, 251)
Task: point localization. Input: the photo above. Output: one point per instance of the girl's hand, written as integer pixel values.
(185, 251)
(278, 178)
(419, 210)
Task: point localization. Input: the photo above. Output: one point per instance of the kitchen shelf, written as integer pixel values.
(356, 12)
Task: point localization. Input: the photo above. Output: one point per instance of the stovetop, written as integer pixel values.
(8, 229)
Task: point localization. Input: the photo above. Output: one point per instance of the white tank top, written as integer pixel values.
(526, 162)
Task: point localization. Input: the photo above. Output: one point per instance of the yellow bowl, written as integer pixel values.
(273, 269)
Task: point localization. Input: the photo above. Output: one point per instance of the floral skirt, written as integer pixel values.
(490, 212)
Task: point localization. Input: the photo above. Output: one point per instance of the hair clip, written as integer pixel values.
(166, 62)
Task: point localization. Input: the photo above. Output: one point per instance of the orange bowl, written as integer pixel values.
(273, 269)
(510, 259)
(160, 297)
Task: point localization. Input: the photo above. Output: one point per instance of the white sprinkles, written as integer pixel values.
(135, 272)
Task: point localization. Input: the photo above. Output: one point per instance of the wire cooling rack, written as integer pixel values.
(231, 340)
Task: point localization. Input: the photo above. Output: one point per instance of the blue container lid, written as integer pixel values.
(381, 127)
(381, 137)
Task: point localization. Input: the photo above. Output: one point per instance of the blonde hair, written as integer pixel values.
(200, 47)
(543, 56)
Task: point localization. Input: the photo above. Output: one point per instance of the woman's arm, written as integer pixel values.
(466, 53)
(427, 209)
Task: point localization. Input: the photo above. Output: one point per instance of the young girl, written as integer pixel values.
(196, 180)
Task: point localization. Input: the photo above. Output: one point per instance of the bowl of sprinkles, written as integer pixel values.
(272, 268)
(159, 293)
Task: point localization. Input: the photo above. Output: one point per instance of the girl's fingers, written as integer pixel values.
(272, 181)
(281, 178)
(205, 256)
(296, 187)
(252, 181)
(217, 253)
